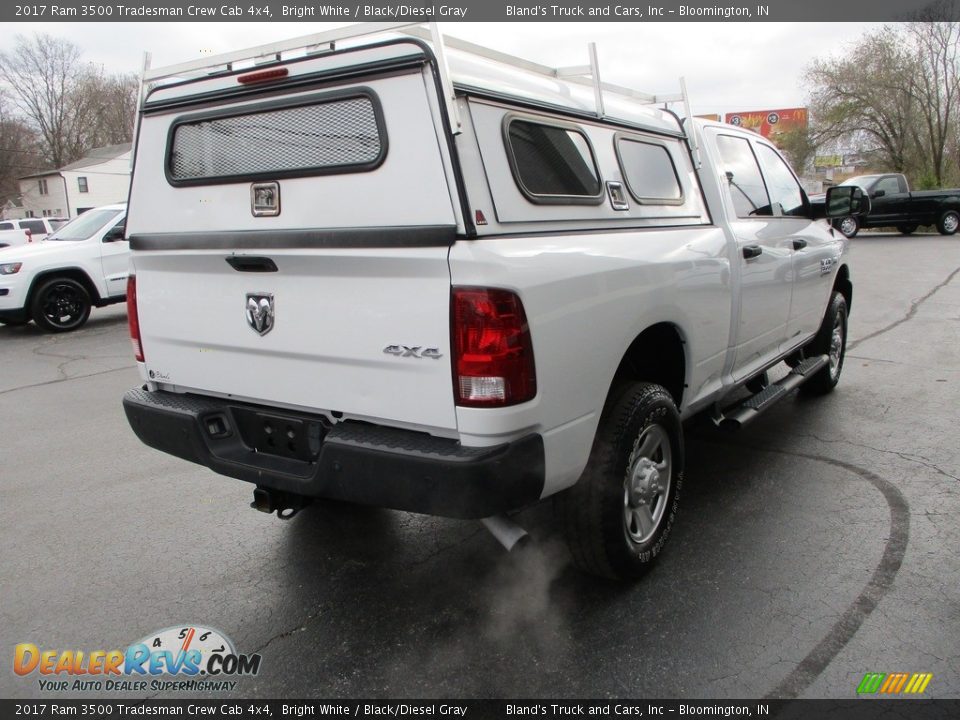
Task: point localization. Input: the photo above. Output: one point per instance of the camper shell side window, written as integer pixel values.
(648, 170)
(553, 163)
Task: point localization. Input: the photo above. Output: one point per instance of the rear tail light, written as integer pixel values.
(133, 317)
(492, 351)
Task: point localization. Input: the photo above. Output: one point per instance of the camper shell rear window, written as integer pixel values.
(552, 163)
(320, 134)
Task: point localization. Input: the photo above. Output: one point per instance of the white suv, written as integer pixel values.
(56, 282)
(28, 229)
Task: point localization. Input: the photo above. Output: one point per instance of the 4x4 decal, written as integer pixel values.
(417, 352)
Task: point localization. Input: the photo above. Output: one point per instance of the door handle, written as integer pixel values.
(799, 244)
(248, 263)
(751, 251)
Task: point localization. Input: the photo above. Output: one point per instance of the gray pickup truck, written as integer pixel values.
(894, 205)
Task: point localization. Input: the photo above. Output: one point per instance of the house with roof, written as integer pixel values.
(13, 209)
(101, 177)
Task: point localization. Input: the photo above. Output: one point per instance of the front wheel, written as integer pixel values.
(617, 518)
(849, 226)
(60, 304)
(948, 222)
(830, 340)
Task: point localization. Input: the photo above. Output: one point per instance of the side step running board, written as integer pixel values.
(752, 407)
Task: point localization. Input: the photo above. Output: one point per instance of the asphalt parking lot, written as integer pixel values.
(818, 545)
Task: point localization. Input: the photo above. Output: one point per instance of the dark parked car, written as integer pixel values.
(894, 205)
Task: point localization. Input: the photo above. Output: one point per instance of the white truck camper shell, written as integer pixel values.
(462, 65)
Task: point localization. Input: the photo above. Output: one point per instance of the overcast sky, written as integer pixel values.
(728, 66)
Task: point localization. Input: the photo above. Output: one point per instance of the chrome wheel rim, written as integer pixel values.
(647, 483)
(848, 226)
(836, 347)
(950, 222)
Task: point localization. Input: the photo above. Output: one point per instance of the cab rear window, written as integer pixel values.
(325, 134)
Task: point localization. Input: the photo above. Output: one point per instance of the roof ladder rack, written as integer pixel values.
(591, 71)
(326, 41)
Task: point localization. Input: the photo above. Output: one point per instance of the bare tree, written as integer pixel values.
(72, 105)
(798, 145)
(896, 96)
(45, 75)
(20, 153)
(869, 94)
(116, 105)
(937, 89)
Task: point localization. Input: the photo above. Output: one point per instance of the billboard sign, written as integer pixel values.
(770, 123)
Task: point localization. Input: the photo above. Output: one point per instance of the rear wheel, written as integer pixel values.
(830, 340)
(60, 304)
(948, 222)
(906, 229)
(617, 518)
(849, 226)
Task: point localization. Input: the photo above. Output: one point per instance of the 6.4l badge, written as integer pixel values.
(260, 312)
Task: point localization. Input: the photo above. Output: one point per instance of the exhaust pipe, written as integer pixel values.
(284, 504)
(506, 531)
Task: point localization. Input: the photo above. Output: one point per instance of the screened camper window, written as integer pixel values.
(316, 136)
(552, 164)
(649, 171)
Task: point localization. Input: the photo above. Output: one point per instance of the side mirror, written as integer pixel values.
(847, 200)
(114, 234)
(879, 193)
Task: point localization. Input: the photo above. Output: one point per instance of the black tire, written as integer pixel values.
(848, 226)
(60, 304)
(825, 342)
(759, 383)
(948, 222)
(906, 229)
(601, 514)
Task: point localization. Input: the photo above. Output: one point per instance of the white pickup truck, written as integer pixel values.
(426, 276)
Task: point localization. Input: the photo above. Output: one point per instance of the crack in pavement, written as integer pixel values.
(62, 379)
(843, 630)
(880, 583)
(911, 458)
(914, 306)
(67, 359)
(904, 364)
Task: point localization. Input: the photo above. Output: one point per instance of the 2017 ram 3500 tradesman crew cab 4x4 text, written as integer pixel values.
(423, 276)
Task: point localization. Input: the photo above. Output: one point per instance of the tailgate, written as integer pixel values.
(291, 250)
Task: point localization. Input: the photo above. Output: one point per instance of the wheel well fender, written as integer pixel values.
(656, 355)
(73, 273)
(843, 285)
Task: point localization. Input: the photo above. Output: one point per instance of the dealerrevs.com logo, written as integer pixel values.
(898, 683)
(184, 657)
